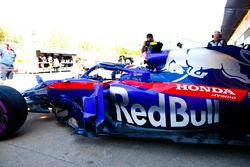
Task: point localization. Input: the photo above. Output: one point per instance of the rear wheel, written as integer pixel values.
(13, 111)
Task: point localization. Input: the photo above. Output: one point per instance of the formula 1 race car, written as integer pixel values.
(199, 95)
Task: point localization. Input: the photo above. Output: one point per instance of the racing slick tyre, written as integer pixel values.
(13, 111)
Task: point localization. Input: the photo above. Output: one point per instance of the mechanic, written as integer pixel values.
(217, 40)
(8, 56)
(150, 46)
(146, 43)
(145, 48)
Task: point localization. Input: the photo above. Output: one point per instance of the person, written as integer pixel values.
(56, 64)
(8, 56)
(149, 46)
(145, 48)
(217, 40)
(78, 68)
(146, 44)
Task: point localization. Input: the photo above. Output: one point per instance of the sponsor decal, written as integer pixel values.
(71, 85)
(192, 90)
(196, 63)
(212, 92)
(42, 91)
(175, 110)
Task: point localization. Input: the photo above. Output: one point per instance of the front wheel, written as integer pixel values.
(13, 111)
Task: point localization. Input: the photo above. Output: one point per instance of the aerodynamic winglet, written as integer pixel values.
(39, 79)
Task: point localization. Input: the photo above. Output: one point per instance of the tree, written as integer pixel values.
(3, 34)
(88, 46)
(9, 36)
(124, 51)
(135, 52)
(63, 41)
(16, 39)
(121, 50)
(58, 40)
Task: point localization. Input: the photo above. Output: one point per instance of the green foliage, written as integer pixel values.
(64, 41)
(124, 51)
(2, 35)
(135, 52)
(121, 50)
(88, 46)
(58, 41)
(8, 36)
(16, 39)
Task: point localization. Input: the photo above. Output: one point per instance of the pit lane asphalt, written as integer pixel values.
(44, 142)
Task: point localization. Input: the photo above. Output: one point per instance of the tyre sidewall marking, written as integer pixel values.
(5, 117)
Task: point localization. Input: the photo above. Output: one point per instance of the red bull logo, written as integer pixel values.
(179, 113)
(196, 62)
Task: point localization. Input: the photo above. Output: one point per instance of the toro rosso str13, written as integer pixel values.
(199, 95)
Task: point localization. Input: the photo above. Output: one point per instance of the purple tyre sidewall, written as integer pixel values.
(3, 125)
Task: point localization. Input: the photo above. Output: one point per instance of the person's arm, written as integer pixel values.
(15, 56)
(143, 47)
(209, 44)
(224, 43)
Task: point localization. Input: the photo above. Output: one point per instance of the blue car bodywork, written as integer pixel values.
(198, 95)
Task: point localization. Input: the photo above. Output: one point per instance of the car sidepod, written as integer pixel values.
(179, 112)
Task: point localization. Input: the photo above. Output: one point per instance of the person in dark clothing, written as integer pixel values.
(217, 40)
(146, 43)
